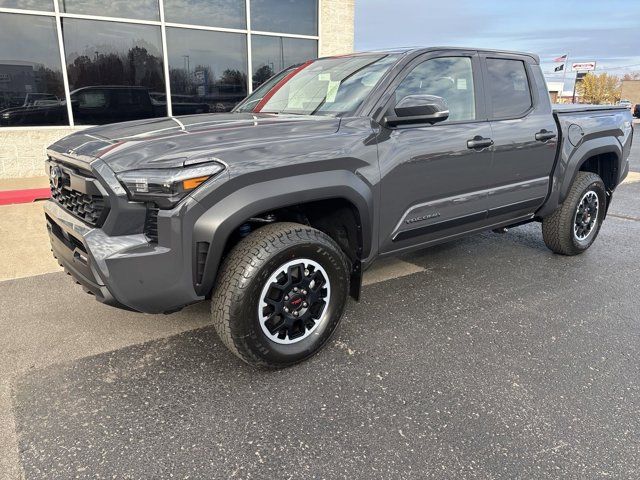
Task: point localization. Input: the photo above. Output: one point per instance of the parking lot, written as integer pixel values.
(488, 357)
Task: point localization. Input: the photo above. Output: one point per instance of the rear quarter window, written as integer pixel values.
(509, 88)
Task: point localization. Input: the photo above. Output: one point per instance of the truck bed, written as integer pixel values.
(578, 108)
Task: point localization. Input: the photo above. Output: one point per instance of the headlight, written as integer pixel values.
(167, 186)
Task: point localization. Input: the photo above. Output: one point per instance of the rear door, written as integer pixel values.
(434, 177)
(524, 135)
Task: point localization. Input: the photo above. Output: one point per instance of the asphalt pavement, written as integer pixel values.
(488, 357)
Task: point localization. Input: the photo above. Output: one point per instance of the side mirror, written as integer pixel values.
(419, 109)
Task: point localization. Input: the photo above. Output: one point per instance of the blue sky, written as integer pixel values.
(607, 31)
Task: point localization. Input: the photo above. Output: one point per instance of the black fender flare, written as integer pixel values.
(597, 146)
(225, 216)
(569, 165)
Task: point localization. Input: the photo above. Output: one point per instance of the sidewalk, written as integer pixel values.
(23, 183)
(24, 242)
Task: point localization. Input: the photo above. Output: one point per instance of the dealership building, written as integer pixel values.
(69, 64)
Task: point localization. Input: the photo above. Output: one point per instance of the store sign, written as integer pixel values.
(584, 66)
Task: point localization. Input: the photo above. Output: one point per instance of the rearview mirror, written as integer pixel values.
(419, 109)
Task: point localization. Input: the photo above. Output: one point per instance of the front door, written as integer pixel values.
(434, 177)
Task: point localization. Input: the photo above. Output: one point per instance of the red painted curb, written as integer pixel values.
(9, 197)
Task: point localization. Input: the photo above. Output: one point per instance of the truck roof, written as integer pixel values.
(418, 50)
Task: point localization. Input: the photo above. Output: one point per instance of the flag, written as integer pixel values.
(563, 59)
(559, 68)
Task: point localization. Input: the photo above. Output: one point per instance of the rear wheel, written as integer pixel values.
(574, 226)
(280, 294)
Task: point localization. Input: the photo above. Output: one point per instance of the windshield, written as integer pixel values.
(328, 86)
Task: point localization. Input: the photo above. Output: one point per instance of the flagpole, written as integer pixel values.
(564, 74)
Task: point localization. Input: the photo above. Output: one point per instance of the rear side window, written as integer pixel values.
(508, 87)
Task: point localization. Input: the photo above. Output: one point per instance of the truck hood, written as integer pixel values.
(171, 142)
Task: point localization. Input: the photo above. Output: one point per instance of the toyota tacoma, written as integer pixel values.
(274, 210)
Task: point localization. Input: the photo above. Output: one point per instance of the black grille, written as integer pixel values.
(151, 222)
(90, 208)
(69, 240)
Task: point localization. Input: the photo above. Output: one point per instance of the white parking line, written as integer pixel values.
(633, 177)
(389, 268)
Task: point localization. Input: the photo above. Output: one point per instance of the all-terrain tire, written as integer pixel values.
(245, 276)
(558, 228)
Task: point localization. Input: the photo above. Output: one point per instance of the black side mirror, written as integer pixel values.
(419, 109)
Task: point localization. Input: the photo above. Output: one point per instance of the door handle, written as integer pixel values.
(479, 142)
(544, 135)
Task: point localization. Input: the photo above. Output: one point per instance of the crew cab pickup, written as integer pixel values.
(273, 211)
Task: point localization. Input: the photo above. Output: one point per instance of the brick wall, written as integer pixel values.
(336, 26)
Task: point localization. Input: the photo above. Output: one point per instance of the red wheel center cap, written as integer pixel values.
(296, 302)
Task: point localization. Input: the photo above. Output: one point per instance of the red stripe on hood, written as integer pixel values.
(258, 108)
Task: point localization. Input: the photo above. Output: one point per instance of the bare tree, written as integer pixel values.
(631, 76)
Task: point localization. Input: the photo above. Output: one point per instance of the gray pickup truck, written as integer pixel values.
(273, 211)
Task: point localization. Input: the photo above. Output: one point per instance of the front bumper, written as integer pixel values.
(127, 271)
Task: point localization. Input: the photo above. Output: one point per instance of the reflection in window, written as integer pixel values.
(122, 62)
(285, 16)
(213, 13)
(138, 9)
(208, 70)
(31, 86)
(509, 87)
(42, 5)
(450, 78)
(273, 54)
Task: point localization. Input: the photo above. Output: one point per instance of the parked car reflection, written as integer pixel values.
(100, 104)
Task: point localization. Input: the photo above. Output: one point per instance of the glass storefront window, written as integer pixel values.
(285, 16)
(212, 13)
(31, 85)
(42, 5)
(115, 71)
(273, 54)
(137, 9)
(207, 70)
(114, 59)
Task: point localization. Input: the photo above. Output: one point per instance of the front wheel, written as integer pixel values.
(280, 294)
(573, 227)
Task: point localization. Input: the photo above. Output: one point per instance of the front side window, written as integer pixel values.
(128, 56)
(329, 86)
(31, 85)
(448, 77)
(508, 87)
